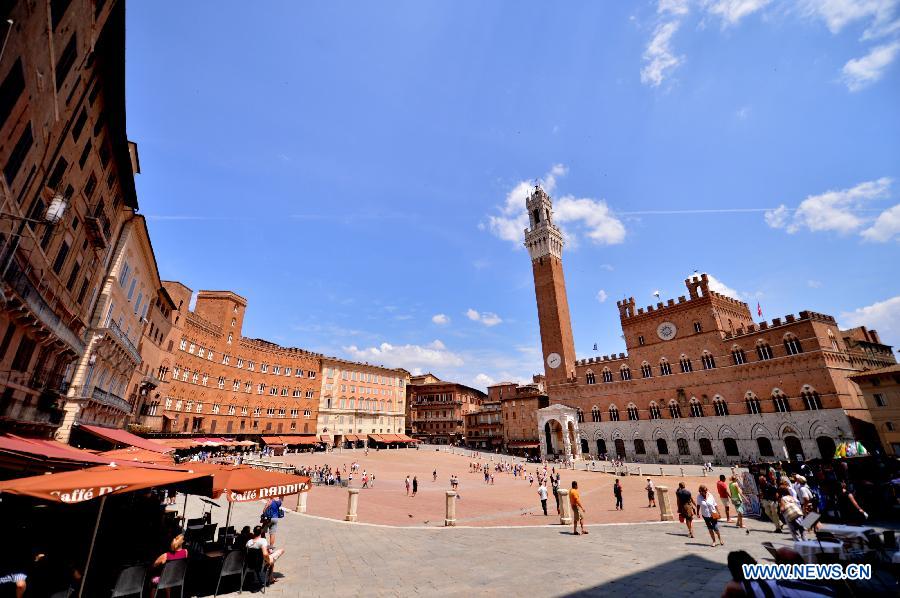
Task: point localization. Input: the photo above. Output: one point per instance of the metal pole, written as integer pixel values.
(184, 511)
(87, 565)
(228, 517)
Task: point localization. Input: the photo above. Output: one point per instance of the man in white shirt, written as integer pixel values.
(542, 492)
(269, 556)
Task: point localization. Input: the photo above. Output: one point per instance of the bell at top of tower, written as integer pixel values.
(542, 238)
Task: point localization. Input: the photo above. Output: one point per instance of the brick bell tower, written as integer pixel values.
(545, 244)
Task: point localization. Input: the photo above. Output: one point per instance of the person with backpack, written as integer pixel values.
(271, 515)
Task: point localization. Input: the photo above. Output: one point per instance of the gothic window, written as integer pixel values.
(591, 379)
(811, 399)
(731, 447)
(625, 372)
(781, 401)
(595, 413)
(720, 406)
(664, 368)
(662, 447)
(580, 416)
(674, 409)
(738, 355)
(654, 411)
(685, 364)
(763, 350)
(834, 343)
(613, 413)
(697, 327)
(696, 408)
(607, 375)
(752, 404)
(645, 370)
(765, 447)
(683, 448)
(639, 447)
(632, 413)
(708, 360)
(706, 446)
(792, 345)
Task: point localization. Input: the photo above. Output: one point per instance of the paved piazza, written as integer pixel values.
(325, 557)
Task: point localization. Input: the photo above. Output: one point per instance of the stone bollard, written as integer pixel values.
(704, 472)
(682, 471)
(661, 472)
(662, 499)
(301, 502)
(450, 519)
(352, 503)
(640, 473)
(565, 509)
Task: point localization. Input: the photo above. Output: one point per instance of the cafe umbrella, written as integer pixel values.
(94, 483)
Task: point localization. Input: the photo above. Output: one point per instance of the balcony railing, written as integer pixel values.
(123, 340)
(107, 398)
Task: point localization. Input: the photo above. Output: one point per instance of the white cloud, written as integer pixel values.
(602, 296)
(593, 217)
(486, 317)
(430, 356)
(732, 11)
(859, 73)
(440, 319)
(834, 210)
(839, 13)
(814, 284)
(659, 55)
(723, 289)
(674, 7)
(483, 380)
(743, 113)
(883, 316)
(886, 226)
(607, 267)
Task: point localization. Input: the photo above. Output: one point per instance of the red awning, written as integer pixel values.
(310, 440)
(272, 440)
(523, 444)
(325, 438)
(351, 437)
(47, 449)
(123, 437)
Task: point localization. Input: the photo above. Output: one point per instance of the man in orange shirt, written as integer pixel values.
(722, 489)
(577, 509)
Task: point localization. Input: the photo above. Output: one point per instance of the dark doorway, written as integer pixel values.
(639, 447)
(620, 448)
(794, 448)
(662, 447)
(601, 447)
(731, 447)
(826, 447)
(765, 447)
(706, 446)
(683, 447)
(585, 449)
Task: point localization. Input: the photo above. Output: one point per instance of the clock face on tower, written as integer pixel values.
(553, 360)
(666, 331)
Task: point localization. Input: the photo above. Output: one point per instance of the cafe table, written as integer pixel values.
(808, 549)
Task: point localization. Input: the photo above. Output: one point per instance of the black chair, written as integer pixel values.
(198, 522)
(130, 581)
(771, 549)
(209, 533)
(256, 563)
(232, 564)
(172, 575)
(890, 539)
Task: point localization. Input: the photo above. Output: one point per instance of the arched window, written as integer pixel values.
(646, 372)
(781, 401)
(633, 413)
(708, 360)
(765, 447)
(683, 448)
(613, 413)
(625, 372)
(811, 399)
(792, 345)
(662, 447)
(696, 408)
(738, 355)
(685, 364)
(664, 368)
(607, 375)
(720, 406)
(595, 413)
(654, 411)
(763, 350)
(731, 447)
(674, 409)
(752, 403)
(697, 327)
(834, 343)
(639, 448)
(591, 379)
(580, 414)
(706, 446)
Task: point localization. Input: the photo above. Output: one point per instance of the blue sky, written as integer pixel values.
(356, 170)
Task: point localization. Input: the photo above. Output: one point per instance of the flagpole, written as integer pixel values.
(90, 555)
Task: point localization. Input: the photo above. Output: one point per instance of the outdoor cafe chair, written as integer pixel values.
(226, 536)
(172, 576)
(130, 581)
(771, 549)
(256, 563)
(232, 564)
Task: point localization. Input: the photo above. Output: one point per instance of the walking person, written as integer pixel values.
(577, 509)
(408, 485)
(790, 509)
(769, 501)
(554, 485)
(687, 508)
(617, 491)
(722, 489)
(415, 486)
(709, 510)
(271, 515)
(434, 475)
(651, 494)
(542, 493)
(737, 499)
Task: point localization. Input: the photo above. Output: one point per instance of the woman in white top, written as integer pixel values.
(706, 505)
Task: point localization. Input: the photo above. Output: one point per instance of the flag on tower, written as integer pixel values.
(758, 309)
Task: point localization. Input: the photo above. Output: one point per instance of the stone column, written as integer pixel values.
(565, 509)
(301, 502)
(450, 519)
(352, 503)
(662, 499)
(661, 472)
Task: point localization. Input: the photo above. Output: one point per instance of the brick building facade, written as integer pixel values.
(881, 390)
(66, 188)
(484, 427)
(225, 383)
(518, 408)
(700, 380)
(438, 409)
